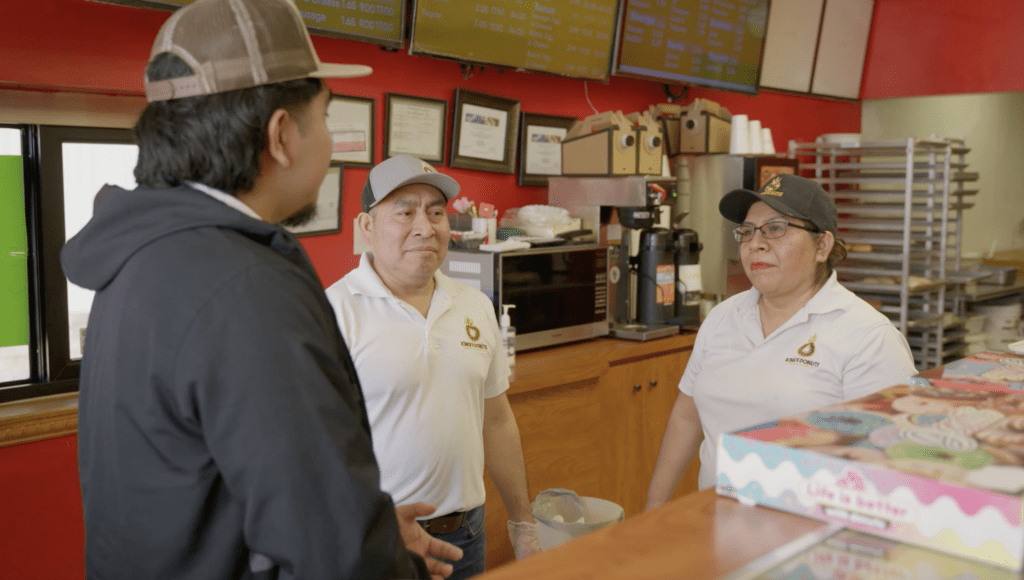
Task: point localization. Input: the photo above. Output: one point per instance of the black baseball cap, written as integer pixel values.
(789, 195)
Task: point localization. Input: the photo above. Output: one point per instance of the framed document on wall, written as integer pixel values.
(350, 121)
(327, 219)
(540, 147)
(485, 131)
(415, 126)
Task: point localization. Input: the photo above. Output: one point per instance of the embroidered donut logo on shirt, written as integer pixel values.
(472, 331)
(474, 335)
(805, 351)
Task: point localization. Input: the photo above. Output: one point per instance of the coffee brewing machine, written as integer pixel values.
(651, 292)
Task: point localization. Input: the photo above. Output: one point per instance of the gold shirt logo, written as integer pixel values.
(471, 331)
(808, 348)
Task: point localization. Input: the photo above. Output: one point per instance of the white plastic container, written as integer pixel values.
(598, 513)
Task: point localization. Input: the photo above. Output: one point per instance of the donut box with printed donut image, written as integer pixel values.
(938, 465)
(987, 368)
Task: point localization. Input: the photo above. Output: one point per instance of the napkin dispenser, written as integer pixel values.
(601, 144)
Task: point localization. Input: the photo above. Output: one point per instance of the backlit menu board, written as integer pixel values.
(714, 43)
(564, 37)
(375, 21)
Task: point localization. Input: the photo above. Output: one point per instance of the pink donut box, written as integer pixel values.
(938, 464)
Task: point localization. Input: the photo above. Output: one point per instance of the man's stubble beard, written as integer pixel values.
(301, 217)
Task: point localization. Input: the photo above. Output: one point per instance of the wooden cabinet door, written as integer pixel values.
(563, 440)
(661, 396)
(638, 401)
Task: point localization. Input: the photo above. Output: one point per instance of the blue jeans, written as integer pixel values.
(472, 538)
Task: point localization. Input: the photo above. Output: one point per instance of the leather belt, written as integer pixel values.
(444, 524)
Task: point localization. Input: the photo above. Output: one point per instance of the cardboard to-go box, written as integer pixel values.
(705, 128)
(702, 127)
(939, 465)
(602, 144)
(666, 115)
(650, 143)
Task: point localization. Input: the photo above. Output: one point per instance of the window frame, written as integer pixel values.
(53, 371)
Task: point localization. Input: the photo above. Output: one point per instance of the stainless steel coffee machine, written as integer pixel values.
(632, 215)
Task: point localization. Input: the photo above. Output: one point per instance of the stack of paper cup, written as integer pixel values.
(739, 141)
(767, 142)
(754, 134)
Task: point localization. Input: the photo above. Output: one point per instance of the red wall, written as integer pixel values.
(41, 532)
(94, 47)
(943, 47)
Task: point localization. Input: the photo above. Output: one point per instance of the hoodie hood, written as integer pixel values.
(125, 221)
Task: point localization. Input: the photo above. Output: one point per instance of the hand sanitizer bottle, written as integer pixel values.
(508, 338)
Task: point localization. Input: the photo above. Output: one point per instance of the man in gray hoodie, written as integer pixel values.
(222, 429)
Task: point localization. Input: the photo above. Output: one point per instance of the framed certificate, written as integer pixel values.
(327, 219)
(485, 131)
(415, 126)
(540, 147)
(350, 121)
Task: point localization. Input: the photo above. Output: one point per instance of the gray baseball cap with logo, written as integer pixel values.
(789, 195)
(402, 170)
(239, 44)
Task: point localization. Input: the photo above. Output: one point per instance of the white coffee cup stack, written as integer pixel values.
(739, 139)
(754, 134)
(767, 141)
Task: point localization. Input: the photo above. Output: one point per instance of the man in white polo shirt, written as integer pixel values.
(429, 355)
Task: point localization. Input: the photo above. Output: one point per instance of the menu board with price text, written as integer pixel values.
(564, 37)
(715, 43)
(374, 21)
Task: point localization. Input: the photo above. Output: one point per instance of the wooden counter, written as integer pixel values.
(591, 417)
(700, 536)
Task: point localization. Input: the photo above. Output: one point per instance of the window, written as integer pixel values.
(49, 176)
(15, 361)
(87, 167)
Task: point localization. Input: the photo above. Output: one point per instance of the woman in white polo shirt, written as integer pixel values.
(796, 341)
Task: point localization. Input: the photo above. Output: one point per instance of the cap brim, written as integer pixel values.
(341, 71)
(448, 186)
(734, 205)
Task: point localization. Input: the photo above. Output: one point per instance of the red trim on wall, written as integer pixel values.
(943, 47)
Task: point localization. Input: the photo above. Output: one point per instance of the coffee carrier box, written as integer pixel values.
(938, 464)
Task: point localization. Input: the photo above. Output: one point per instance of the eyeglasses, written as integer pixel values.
(770, 230)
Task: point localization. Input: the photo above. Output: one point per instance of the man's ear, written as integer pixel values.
(279, 137)
(364, 222)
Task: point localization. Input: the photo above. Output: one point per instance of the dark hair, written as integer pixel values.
(838, 254)
(214, 139)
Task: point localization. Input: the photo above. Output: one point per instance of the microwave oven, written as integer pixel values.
(560, 293)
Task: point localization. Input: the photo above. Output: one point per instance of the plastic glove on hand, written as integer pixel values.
(524, 538)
